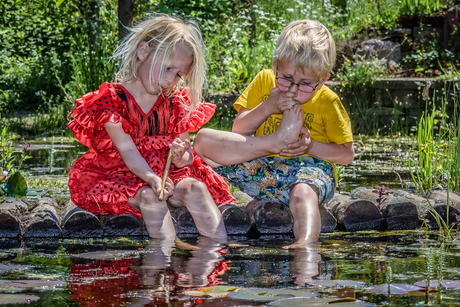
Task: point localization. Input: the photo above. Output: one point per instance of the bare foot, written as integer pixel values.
(289, 129)
(185, 246)
(301, 244)
(236, 244)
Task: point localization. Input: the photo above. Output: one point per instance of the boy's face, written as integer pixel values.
(290, 79)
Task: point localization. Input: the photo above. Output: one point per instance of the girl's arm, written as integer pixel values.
(133, 159)
(182, 154)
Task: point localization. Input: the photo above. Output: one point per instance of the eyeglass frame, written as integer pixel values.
(293, 83)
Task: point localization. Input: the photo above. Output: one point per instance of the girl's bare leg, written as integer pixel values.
(155, 213)
(303, 203)
(218, 148)
(194, 195)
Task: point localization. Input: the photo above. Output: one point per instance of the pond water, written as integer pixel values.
(139, 272)
(125, 272)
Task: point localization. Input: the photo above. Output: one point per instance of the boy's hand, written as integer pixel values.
(178, 149)
(300, 147)
(280, 101)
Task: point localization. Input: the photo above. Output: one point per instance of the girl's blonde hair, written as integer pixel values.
(307, 44)
(162, 33)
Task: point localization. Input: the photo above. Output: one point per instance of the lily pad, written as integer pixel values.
(267, 295)
(107, 255)
(14, 267)
(31, 283)
(336, 283)
(16, 184)
(17, 298)
(320, 302)
(214, 291)
(445, 284)
(397, 289)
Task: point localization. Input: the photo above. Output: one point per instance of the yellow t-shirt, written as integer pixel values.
(324, 114)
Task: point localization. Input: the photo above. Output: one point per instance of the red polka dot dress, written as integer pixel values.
(100, 182)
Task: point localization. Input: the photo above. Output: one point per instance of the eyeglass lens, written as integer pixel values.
(302, 87)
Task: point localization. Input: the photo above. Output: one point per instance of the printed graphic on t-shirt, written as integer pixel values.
(308, 120)
(271, 124)
(265, 97)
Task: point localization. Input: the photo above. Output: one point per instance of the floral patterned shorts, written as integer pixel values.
(271, 178)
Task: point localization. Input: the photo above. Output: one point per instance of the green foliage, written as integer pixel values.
(52, 52)
(357, 78)
(438, 157)
(16, 184)
(9, 155)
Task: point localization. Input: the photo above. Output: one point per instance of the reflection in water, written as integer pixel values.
(205, 266)
(305, 265)
(158, 275)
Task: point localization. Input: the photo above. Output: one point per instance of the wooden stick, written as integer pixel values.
(165, 175)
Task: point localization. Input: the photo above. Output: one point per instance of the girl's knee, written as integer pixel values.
(147, 195)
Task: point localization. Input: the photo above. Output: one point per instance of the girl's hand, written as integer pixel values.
(300, 147)
(178, 149)
(155, 183)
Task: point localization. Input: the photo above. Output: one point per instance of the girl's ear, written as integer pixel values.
(143, 51)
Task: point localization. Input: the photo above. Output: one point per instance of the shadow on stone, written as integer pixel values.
(270, 217)
(122, 225)
(73, 219)
(236, 220)
(43, 221)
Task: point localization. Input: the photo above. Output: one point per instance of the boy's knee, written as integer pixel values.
(303, 191)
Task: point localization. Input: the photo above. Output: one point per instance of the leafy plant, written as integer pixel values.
(381, 191)
(11, 177)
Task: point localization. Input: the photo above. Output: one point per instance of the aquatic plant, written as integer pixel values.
(389, 277)
(11, 160)
(441, 259)
(381, 191)
(429, 271)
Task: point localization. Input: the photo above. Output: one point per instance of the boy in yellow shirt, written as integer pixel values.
(301, 130)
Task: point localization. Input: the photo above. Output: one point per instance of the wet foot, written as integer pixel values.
(289, 129)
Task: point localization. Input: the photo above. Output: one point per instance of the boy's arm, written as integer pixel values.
(133, 159)
(248, 120)
(340, 154)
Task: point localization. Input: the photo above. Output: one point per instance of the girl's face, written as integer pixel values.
(289, 78)
(179, 66)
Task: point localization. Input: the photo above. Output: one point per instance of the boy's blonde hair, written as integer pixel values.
(307, 44)
(162, 33)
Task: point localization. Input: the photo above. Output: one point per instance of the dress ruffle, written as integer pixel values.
(200, 116)
(100, 182)
(84, 124)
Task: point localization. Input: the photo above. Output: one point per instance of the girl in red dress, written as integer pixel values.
(131, 124)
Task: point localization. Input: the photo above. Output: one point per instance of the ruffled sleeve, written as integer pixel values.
(181, 119)
(94, 109)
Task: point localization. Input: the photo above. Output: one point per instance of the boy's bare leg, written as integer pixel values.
(303, 203)
(218, 148)
(305, 264)
(194, 195)
(155, 213)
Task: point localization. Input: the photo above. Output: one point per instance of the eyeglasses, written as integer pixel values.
(302, 86)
